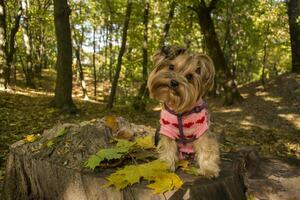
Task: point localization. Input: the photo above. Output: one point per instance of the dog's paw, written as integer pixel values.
(170, 164)
(209, 172)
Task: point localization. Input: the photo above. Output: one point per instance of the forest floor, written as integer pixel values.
(268, 118)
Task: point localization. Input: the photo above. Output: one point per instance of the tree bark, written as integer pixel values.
(63, 89)
(231, 93)
(139, 100)
(3, 44)
(37, 171)
(27, 39)
(264, 66)
(168, 24)
(294, 24)
(9, 44)
(94, 61)
(121, 53)
(78, 49)
(111, 53)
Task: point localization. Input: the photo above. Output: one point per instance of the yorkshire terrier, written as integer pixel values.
(180, 79)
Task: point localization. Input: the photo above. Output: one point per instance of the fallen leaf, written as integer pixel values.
(145, 142)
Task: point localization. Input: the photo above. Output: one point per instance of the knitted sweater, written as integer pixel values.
(194, 124)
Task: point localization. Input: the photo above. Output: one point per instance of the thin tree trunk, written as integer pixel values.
(63, 89)
(79, 41)
(294, 16)
(187, 39)
(263, 74)
(143, 88)
(9, 44)
(231, 93)
(3, 44)
(78, 49)
(81, 74)
(27, 39)
(105, 40)
(121, 53)
(168, 24)
(94, 61)
(111, 57)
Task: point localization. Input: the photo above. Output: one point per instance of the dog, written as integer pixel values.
(180, 79)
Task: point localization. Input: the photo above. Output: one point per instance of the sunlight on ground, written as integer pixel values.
(245, 95)
(272, 99)
(229, 110)
(262, 93)
(293, 148)
(292, 118)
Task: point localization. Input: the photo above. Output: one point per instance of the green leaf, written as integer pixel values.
(61, 132)
(122, 148)
(50, 143)
(92, 162)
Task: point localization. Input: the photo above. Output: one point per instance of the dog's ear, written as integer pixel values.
(206, 70)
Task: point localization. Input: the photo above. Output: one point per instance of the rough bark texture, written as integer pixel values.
(40, 171)
(294, 15)
(37, 171)
(121, 53)
(231, 93)
(63, 88)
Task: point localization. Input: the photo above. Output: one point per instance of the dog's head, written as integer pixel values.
(180, 78)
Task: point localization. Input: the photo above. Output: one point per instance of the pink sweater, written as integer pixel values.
(194, 125)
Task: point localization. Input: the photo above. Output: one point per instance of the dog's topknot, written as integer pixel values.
(167, 53)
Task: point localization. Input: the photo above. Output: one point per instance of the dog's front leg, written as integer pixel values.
(207, 155)
(167, 150)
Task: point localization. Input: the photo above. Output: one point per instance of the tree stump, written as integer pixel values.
(52, 168)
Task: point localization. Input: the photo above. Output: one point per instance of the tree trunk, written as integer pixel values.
(139, 103)
(63, 89)
(78, 38)
(9, 44)
(111, 54)
(263, 74)
(27, 39)
(231, 93)
(37, 171)
(121, 53)
(168, 24)
(94, 61)
(294, 16)
(81, 74)
(3, 47)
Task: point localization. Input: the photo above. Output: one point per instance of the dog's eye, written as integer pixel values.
(198, 70)
(171, 67)
(189, 77)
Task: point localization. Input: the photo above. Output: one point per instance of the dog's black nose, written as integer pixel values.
(174, 83)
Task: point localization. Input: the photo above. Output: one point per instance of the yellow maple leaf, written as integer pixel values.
(31, 138)
(155, 171)
(164, 182)
(183, 164)
(145, 142)
(112, 123)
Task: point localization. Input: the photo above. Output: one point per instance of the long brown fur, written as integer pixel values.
(176, 63)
